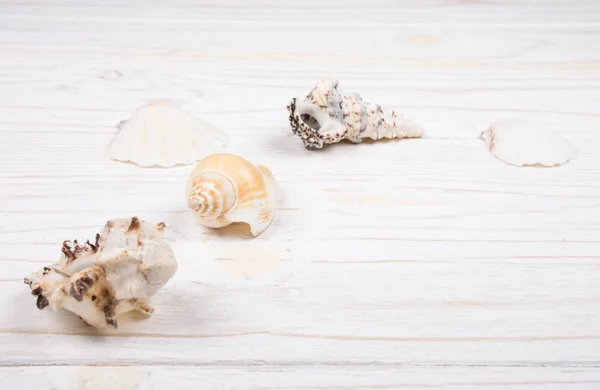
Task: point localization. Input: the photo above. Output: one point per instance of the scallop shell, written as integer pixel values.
(523, 143)
(161, 134)
(126, 265)
(327, 116)
(225, 188)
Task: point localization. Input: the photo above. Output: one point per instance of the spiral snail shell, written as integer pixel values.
(224, 188)
(328, 115)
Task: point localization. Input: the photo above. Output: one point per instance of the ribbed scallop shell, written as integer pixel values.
(225, 188)
(523, 143)
(161, 134)
(327, 116)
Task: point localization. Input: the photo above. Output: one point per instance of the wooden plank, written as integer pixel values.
(282, 377)
(452, 93)
(253, 304)
(314, 12)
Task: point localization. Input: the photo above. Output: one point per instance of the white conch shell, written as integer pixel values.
(522, 143)
(225, 188)
(161, 134)
(328, 115)
(128, 263)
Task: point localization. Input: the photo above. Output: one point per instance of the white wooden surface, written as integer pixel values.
(487, 275)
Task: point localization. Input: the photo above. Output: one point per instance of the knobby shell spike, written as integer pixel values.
(327, 116)
(126, 265)
(160, 134)
(225, 188)
(523, 143)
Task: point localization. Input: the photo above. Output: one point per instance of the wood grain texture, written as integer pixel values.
(484, 276)
(301, 377)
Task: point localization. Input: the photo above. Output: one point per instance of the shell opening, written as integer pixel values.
(311, 116)
(310, 121)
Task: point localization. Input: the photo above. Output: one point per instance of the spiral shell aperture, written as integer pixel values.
(225, 188)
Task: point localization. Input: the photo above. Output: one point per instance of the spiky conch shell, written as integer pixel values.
(161, 134)
(327, 116)
(524, 143)
(224, 188)
(126, 265)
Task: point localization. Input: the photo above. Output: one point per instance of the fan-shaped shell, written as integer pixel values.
(225, 188)
(523, 143)
(161, 134)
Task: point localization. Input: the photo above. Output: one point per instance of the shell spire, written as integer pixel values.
(327, 116)
(225, 188)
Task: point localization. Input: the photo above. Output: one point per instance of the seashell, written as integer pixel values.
(126, 265)
(522, 143)
(327, 116)
(225, 188)
(161, 134)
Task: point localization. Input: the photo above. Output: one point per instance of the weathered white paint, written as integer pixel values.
(487, 274)
(299, 377)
